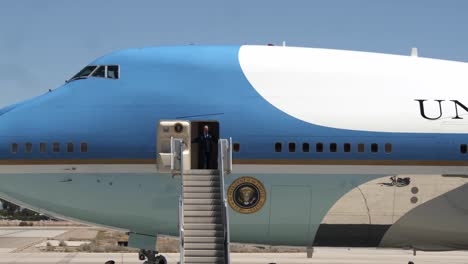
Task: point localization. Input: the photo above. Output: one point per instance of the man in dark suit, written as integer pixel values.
(206, 142)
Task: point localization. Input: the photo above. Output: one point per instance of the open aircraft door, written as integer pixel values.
(167, 130)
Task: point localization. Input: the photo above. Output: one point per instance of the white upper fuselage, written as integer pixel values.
(359, 90)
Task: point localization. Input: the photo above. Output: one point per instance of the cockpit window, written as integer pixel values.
(100, 72)
(113, 72)
(84, 72)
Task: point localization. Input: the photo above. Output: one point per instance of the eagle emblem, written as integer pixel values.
(246, 195)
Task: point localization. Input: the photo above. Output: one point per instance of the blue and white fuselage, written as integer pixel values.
(321, 129)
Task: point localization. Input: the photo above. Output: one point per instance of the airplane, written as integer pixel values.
(329, 147)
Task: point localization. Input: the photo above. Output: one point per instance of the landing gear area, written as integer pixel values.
(150, 257)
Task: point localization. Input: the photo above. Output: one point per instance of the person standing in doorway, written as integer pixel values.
(206, 143)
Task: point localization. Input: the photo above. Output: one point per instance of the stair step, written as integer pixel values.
(205, 189)
(202, 213)
(203, 259)
(203, 220)
(192, 246)
(203, 240)
(201, 201)
(195, 183)
(201, 172)
(202, 195)
(201, 177)
(204, 233)
(203, 226)
(202, 207)
(204, 253)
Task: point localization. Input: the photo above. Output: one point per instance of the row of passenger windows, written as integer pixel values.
(319, 147)
(333, 147)
(56, 147)
(102, 71)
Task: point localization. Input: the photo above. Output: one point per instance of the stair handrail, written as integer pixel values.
(224, 152)
(181, 201)
(181, 228)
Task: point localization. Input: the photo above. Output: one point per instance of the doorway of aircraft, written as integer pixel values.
(200, 139)
(205, 135)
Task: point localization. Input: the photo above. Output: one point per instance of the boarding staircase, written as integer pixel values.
(203, 211)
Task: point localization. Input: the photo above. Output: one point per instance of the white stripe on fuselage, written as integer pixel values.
(238, 169)
(359, 90)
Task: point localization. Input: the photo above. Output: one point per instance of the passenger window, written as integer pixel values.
(236, 147)
(347, 147)
(360, 147)
(113, 72)
(333, 147)
(463, 148)
(278, 147)
(305, 147)
(374, 148)
(42, 147)
(388, 148)
(292, 147)
(319, 147)
(14, 148)
(56, 147)
(70, 147)
(100, 72)
(28, 147)
(84, 147)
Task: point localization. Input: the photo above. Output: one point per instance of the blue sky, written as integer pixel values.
(43, 43)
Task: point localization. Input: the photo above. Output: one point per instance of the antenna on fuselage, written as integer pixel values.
(414, 52)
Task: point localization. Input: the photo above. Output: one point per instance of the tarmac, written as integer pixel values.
(321, 256)
(14, 240)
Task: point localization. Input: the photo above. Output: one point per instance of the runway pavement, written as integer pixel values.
(321, 256)
(14, 240)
